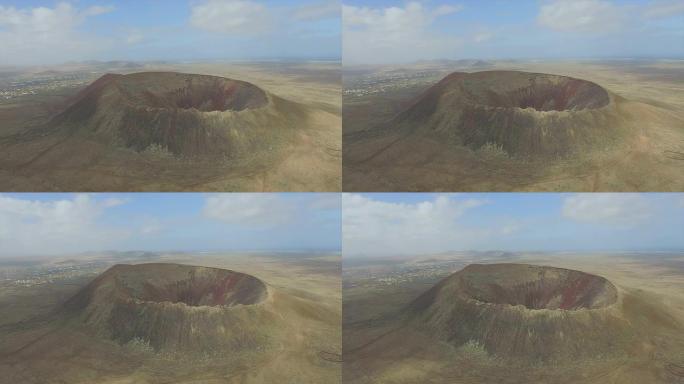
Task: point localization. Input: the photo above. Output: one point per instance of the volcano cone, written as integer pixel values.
(186, 115)
(527, 115)
(176, 307)
(525, 311)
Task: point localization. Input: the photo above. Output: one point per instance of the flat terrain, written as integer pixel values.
(35, 159)
(385, 153)
(305, 291)
(377, 292)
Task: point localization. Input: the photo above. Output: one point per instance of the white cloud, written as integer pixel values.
(395, 33)
(583, 16)
(135, 37)
(35, 227)
(623, 209)
(42, 34)
(254, 209)
(591, 17)
(447, 10)
(482, 37)
(231, 16)
(378, 227)
(326, 201)
(97, 10)
(510, 228)
(151, 226)
(318, 10)
(662, 8)
(114, 202)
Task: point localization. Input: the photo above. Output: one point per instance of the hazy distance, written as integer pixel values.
(52, 224)
(382, 225)
(395, 31)
(52, 32)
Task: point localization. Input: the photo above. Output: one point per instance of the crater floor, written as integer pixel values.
(537, 287)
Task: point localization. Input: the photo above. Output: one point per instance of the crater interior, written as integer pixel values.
(182, 91)
(537, 91)
(538, 288)
(192, 286)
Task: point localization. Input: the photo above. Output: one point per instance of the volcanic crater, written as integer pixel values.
(174, 307)
(206, 94)
(525, 115)
(539, 288)
(187, 115)
(540, 92)
(170, 90)
(192, 286)
(524, 311)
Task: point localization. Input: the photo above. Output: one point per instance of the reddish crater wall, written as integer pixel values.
(537, 287)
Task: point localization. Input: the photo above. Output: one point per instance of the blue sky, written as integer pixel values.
(379, 31)
(406, 224)
(360, 224)
(401, 31)
(48, 32)
(35, 224)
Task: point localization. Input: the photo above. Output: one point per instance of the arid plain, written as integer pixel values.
(192, 133)
(278, 321)
(402, 132)
(398, 327)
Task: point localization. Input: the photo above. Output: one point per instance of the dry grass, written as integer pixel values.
(644, 156)
(308, 161)
(651, 286)
(306, 302)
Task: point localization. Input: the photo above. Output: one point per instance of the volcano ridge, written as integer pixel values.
(175, 308)
(186, 115)
(506, 310)
(525, 115)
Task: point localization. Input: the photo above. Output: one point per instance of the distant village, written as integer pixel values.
(33, 276)
(41, 84)
(386, 81)
(399, 274)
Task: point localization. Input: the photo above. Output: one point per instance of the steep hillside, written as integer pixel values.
(524, 311)
(186, 115)
(170, 131)
(527, 115)
(175, 308)
(519, 323)
(514, 131)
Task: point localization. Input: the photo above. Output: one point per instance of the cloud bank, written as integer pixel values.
(43, 34)
(422, 224)
(395, 34)
(204, 29)
(378, 227)
(70, 225)
(61, 224)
